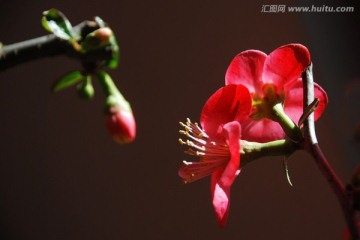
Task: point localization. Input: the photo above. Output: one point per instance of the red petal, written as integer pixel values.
(229, 103)
(264, 130)
(322, 96)
(293, 106)
(222, 180)
(220, 199)
(246, 68)
(232, 134)
(294, 100)
(285, 64)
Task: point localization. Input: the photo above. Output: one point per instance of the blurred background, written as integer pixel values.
(63, 177)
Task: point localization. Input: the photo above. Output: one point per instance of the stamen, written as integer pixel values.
(182, 132)
(182, 124)
(192, 171)
(194, 128)
(213, 155)
(192, 144)
(192, 152)
(186, 133)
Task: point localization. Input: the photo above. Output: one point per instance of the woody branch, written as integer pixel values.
(49, 46)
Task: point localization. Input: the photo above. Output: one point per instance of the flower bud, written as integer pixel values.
(97, 39)
(103, 35)
(85, 89)
(119, 120)
(121, 125)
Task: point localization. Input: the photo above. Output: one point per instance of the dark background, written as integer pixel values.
(62, 177)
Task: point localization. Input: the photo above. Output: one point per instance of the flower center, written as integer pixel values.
(263, 106)
(213, 155)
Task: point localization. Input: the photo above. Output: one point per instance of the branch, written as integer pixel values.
(312, 146)
(49, 46)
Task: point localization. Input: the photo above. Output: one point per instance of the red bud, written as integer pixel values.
(121, 125)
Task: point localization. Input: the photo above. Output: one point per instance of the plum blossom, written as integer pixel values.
(217, 144)
(272, 79)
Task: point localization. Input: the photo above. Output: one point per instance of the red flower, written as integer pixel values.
(121, 125)
(272, 79)
(217, 144)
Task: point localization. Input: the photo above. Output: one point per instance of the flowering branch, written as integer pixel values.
(311, 145)
(94, 45)
(51, 45)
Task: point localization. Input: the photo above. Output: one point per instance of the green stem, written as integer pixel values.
(254, 150)
(107, 84)
(113, 95)
(289, 127)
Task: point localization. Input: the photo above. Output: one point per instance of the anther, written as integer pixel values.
(182, 124)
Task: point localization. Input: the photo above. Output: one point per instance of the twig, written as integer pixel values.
(50, 45)
(312, 146)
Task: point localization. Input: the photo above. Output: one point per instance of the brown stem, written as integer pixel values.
(311, 145)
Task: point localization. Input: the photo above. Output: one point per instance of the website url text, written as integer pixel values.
(313, 8)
